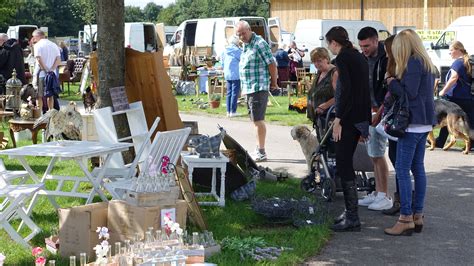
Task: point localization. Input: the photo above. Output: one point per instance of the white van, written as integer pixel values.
(140, 36)
(206, 38)
(310, 33)
(23, 33)
(461, 30)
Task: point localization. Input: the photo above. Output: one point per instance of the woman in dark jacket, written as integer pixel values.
(352, 119)
(414, 77)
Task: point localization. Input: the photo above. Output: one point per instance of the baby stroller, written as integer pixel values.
(323, 174)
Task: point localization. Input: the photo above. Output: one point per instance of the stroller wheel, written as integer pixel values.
(328, 189)
(308, 184)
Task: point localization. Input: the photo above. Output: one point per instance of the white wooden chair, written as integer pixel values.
(15, 197)
(107, 133)
(130, 170)
(166, 143)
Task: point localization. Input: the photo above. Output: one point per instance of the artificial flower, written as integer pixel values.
(36, 251)
(40, 260)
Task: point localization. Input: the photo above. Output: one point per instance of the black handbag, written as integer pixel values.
(397, 118)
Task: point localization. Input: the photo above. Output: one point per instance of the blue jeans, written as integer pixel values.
(411, 156)
(233, 90)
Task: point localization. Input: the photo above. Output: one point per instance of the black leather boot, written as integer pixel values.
(395, 207)
(351, 220)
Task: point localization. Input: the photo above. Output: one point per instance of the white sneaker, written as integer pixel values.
(233, 114)
(259, 157)
(381, 203)
(367, 200)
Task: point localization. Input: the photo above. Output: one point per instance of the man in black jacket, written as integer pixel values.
(11, 57)
(374, 52)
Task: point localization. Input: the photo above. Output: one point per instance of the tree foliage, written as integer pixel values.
(133, 14)
(67, 17)
(189, 9)
(151, 11)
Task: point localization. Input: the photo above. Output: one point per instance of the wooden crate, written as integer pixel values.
(150, 199)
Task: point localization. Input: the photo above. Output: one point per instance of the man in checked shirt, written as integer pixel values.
(258, 73)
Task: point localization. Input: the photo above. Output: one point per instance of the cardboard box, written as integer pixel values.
(151, 199)
(124, 219)
(77, 228)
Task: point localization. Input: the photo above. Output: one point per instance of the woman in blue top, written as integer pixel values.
(415, 77)
(230, 61)
(458, 86)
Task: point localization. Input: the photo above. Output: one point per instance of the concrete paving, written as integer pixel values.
(448, 234)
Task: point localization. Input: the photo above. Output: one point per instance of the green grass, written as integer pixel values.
(236, 219)
(275, 114)
(73, 94)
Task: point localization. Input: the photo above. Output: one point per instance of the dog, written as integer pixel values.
(88, 100)
(454, 118)
(308, 142)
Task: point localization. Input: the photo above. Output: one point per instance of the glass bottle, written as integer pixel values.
(72, 261)
(117, 248)
(52, 263)
(158, 237)
(195, 240)
(82, 259)
(128, 247)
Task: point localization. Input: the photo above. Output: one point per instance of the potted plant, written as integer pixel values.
(215, 100)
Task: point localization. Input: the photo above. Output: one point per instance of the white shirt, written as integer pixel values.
(48, 51)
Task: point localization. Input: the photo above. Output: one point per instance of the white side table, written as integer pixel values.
(193, 161)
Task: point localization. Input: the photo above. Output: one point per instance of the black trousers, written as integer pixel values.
(345, 149)
(392, 155)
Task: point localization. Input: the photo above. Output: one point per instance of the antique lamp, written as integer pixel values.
(13, 87)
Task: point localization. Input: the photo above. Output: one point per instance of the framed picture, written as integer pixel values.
(119, 98)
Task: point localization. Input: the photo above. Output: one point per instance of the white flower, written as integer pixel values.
(174, 227)
(103, 232)
(179, 231)
(2, 257)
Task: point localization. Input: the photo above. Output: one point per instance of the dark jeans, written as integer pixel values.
(410, 157)
(233, 90)
(345, 149)
(468, 107)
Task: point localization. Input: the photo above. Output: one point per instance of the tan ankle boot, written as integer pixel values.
(418, 221)
(402, 227)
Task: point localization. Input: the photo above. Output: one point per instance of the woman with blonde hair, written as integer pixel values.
(230, 61)
(415, 74)
(458, 86)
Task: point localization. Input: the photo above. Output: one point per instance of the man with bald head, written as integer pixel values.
(258, 73)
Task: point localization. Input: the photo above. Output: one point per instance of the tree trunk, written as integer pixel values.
(110, 48)
(111, 57)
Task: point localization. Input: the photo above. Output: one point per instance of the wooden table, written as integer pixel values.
(17, 125)
(5, 114)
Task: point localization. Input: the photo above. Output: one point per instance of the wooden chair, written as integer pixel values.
(301, 77)
(217, 84)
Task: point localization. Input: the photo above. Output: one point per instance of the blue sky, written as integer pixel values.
(142, 3)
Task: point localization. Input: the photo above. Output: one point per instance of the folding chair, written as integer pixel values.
(167, 143)
(14, 206)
